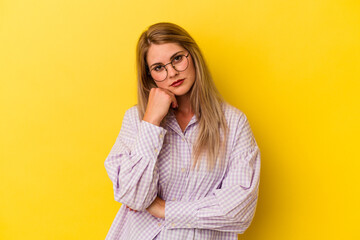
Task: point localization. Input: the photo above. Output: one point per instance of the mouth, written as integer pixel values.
(177, 83)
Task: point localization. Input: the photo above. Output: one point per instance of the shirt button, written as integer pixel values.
(188, 225)
(173, 224)
(159, 224)
(173, 199)
(156, 150)
(183, 169)
(161, 135)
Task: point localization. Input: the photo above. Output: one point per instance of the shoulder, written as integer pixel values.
(233, 115)
(131, 117)
(132, 112)
(240, 131)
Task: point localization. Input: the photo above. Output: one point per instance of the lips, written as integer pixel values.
(177, 83)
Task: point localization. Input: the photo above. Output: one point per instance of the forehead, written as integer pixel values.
(161, 53)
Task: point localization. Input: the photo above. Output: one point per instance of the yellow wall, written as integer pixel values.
(67, 72)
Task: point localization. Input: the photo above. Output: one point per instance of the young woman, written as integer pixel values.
(185, 164)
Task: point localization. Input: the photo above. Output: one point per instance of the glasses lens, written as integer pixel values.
(180, 63)
(159, 73)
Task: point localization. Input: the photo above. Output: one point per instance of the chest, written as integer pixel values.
(183, 120)
(177, 179)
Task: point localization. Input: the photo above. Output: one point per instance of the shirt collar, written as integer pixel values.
(172, 123)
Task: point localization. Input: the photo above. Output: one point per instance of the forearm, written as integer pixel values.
(209, 214)
(157, 208)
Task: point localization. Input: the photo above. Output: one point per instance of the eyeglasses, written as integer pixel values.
(179, 63)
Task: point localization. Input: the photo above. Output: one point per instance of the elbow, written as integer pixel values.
(138, 203)
(145, 202)
(138, 206)
(244, 216)
(128, 202)
(241, 222)
(246, 221)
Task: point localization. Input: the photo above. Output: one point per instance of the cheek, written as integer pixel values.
(192, 72)
(160, 84)
(192, 68)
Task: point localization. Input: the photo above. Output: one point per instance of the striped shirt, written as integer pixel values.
(148, 160)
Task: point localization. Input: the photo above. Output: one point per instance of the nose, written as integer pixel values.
(171, 71)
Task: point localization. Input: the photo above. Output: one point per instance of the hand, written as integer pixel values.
(158, 105)
(130, 208)
(157, 208)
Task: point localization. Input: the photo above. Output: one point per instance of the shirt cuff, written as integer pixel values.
(149, 140)
(199, 213)
(180, 214)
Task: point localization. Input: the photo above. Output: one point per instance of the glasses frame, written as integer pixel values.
(171, 62)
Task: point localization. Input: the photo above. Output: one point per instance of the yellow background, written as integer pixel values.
(67, 72)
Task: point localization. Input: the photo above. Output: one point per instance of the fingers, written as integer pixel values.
(173, 98)
(131, 209)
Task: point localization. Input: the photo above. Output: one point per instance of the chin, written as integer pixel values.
(181, 91)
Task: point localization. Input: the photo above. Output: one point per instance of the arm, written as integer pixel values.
(232, 207)
(131, 163)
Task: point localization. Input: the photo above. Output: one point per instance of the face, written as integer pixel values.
(165, 53)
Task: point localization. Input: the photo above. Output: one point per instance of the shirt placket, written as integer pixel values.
(186, 148)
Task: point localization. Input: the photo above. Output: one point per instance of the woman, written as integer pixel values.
(185, 164)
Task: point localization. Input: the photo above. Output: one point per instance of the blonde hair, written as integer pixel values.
(206, 102)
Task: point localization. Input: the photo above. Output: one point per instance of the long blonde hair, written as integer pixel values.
(206, 102)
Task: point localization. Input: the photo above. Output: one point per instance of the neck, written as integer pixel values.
(184, 104)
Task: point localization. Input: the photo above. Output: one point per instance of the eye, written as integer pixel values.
(178, 58)
(158, 68)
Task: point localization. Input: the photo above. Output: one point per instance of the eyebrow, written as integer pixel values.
(170, 58)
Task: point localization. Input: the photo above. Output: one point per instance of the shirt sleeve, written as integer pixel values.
(231, 207)
(131, 163)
